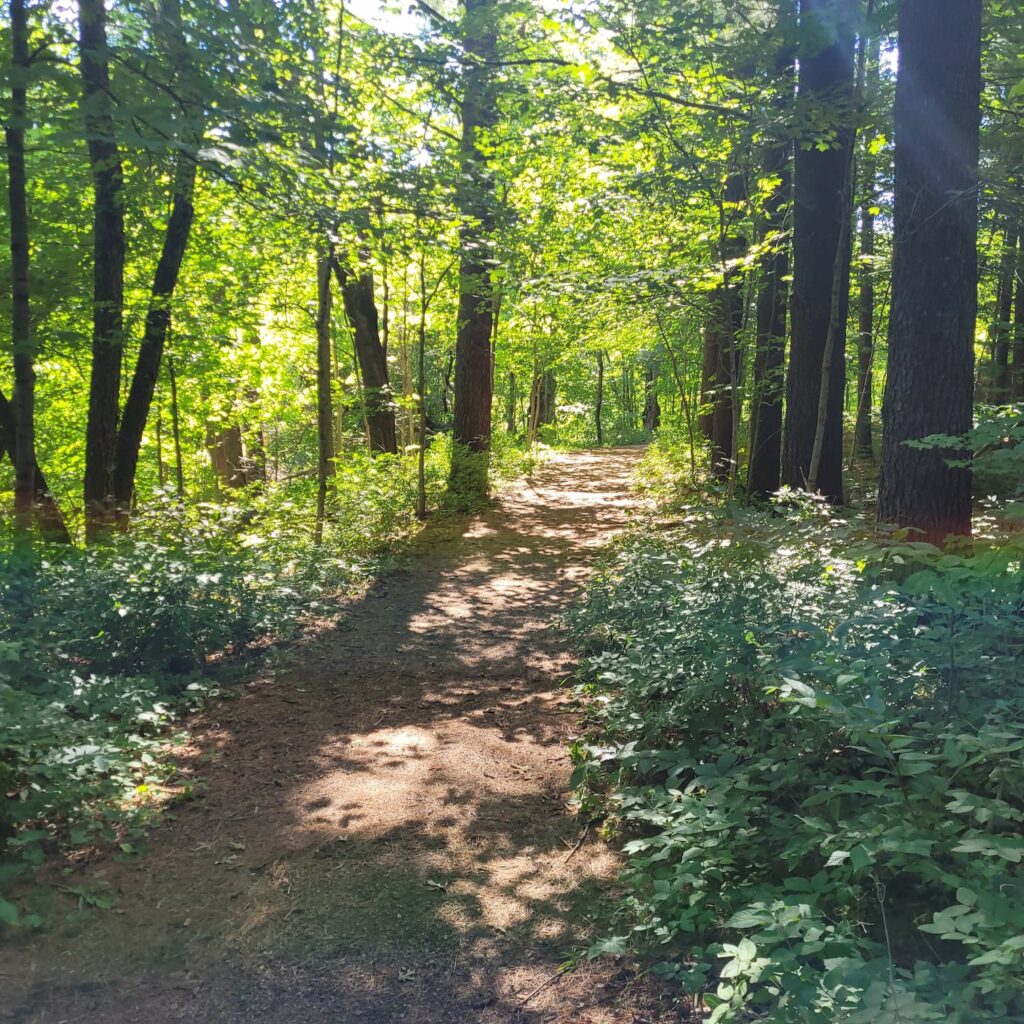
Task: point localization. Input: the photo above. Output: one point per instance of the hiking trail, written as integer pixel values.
(384, 832)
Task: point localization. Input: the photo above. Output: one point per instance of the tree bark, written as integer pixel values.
(766, 401)
(471, 425)
(324, 367)
(22, 346)
(929, 383)
(825, 95)
(165, 278)
(108, 268)
(599, 401)
(1002, 329)
(1017, 340)
(652, 408)
(361, 311)
(770, 354)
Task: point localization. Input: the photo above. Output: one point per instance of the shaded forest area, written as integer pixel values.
(288, 278)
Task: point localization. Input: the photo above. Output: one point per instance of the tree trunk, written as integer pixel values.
(108, 268)
(471, 433)
(179, 468)
(1002, 329)
(361, 311)
(652, 408)
(48, 513)
(1017, 344)
(168, 268)
(770, 352)
(599, 402)
(324, 367)
(546, 397)
(226, 455)
(930, 375)
(22, 347)
(819, 215)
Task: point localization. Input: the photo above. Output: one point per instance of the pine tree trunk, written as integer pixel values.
(108, 268)
(819, 215)
(930, 375)
(471, 433)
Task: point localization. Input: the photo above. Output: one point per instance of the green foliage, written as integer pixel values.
(814, 749)
(104, 648)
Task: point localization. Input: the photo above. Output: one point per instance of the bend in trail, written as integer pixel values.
(385, 834)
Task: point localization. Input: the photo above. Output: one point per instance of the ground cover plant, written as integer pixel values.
(812, 744)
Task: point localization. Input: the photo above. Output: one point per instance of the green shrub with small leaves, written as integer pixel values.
(813, 746)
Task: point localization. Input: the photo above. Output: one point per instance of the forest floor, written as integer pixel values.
(384, 832)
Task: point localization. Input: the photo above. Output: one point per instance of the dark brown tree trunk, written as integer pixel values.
(1002, 329)
(48, 514)
(361, 311)
(168, 268)
(652, 408)
(179, 468)
(510, 405)
(226, 455)
(546, 394)
(820, 216)
(930, 376)
(108, 268)
(599, 401)
(22, 347)
(471, 433)
(770, 352)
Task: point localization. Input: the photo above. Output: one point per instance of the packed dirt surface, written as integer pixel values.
(384, 833)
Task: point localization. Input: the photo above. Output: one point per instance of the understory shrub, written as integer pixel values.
(813, 747)
(103, 648)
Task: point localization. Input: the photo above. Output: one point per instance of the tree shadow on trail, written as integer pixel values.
(384, 833)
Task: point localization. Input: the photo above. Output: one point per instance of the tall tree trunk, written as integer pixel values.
(599, 401)
(324, 366)
(1002, 329)
(772, 295)
(179, 467)
(930, 375)
(1017, 331)
(471, 433)
(819, 216)
(546, 397)
(22, 347)
(510, 404)
(361, 311)
(108, 267)
(168, 268)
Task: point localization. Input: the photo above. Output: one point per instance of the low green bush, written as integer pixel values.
(813, 747)
(105, 648)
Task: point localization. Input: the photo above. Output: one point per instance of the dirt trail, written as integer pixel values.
(385, 835)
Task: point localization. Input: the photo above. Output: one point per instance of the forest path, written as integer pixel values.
(384, 835)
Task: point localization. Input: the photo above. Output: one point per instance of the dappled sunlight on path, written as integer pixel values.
(385, 834)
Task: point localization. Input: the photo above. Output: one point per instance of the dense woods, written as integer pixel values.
(285, 279)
